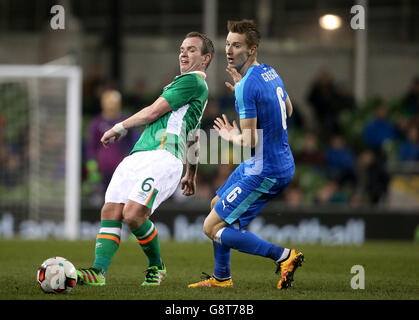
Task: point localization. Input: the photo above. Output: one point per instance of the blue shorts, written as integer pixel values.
(242, 196)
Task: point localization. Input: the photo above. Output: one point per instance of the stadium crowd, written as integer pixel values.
(342, 159)
(342, 153)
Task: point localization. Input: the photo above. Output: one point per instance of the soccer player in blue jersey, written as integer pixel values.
(263, 106)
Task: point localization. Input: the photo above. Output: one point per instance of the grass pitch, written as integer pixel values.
(391, 272)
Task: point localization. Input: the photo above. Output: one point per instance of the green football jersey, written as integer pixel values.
(187, 95)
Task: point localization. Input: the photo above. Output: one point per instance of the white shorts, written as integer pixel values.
(146, 177)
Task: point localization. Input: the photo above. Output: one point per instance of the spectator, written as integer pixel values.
(10, 158)
(10, 172)
(356, 200)
(94, 79)
(372, 176)
(378, 130)
(344, 97)
(311, 153)
(411, 100)
(100, 163)
(322, 97)
(340, 161)
(331, 193)
(409, 149)
(293, 196)
(402, 126)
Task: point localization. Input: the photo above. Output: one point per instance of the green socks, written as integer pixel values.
(107, 243)
(147, 237)
(108, 239)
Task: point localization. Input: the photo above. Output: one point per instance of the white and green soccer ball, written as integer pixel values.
(56, 275)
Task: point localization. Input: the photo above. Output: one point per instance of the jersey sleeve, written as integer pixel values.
(182, 90)
(246, 96)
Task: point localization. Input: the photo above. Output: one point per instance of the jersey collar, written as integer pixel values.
(201, 73)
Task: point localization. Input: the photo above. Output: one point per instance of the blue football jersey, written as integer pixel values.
(261, 94)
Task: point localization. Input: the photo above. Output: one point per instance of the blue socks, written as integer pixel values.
(247, 242)
(222, 261)
(243, 241)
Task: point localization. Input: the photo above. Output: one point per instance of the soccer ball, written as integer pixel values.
(56, 275)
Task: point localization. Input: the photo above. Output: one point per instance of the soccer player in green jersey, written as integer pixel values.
(151, 172)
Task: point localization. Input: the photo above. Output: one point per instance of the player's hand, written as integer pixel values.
(236, 77)
(109, 136)
(188, 185)
(225, 129)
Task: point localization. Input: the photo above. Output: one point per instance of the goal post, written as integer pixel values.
(48, 87)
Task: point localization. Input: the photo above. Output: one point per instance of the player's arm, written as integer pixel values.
(247, 137)
(188, 182)
(147, 115)
(289, 106)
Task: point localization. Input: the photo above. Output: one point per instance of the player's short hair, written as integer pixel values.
(247, 27)
(207, 45)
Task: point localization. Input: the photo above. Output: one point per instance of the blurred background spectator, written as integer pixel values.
(379, 130)
(101, 162)
(323, 99)
(9, 159)
(409, 149)
(311, 153)
(411, 100)
(372, 177)
(340, 161)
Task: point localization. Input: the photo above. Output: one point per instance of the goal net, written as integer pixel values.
(40, 148)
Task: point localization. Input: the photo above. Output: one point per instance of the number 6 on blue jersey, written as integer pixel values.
(280, 94)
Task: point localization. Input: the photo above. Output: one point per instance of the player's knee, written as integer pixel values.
(208, 229)
(111, 211)
(134, 216)
(133, 221)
